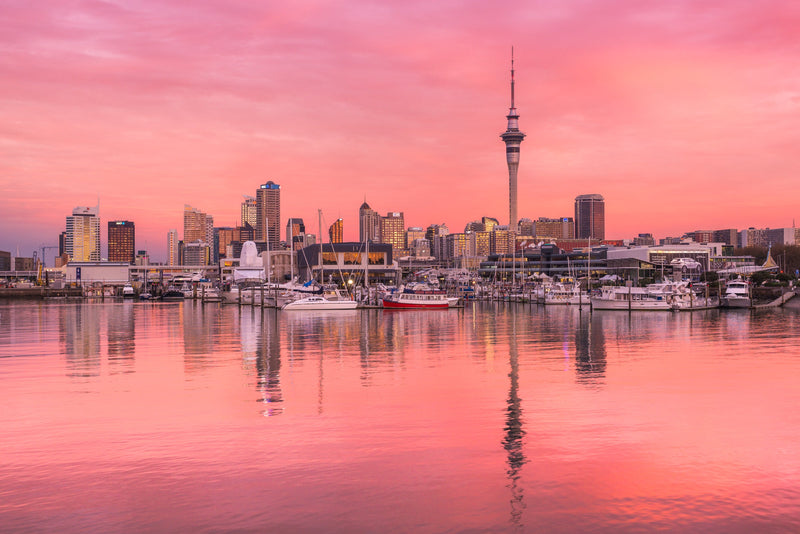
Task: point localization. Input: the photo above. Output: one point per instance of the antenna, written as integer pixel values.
(512, 77)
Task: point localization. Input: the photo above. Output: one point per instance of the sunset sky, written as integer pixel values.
(683, 115)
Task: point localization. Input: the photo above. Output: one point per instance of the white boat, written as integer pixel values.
(737, 294)
(564, 293)
(318, 302)
(128, 292)
(631, 299)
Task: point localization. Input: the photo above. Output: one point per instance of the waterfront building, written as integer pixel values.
(173, 250)
(512, 138)
(196, 253)
(341, 262)
(393, 230)
(369, 224)
(295, 233)
(590, 217)
(336, 231)
(82, 241)
(249, 211)
(5, 261)
(121, 241)
(268, 213)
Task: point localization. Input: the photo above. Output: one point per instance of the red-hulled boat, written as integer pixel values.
(416, 298)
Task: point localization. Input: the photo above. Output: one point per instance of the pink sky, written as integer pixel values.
(683, 115)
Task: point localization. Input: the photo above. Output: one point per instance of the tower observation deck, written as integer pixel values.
(512, 137)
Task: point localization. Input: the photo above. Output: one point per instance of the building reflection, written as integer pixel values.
(121, 336)
(590, 349)
(201, 330)
(79, 334)
(514, 433)
(268, 362)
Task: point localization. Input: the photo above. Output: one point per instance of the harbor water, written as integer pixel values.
(497, 417)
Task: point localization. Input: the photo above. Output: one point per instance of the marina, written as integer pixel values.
(543, 418)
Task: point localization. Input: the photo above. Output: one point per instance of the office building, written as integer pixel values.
(5, 261)
(121, 241)
(412, 234)
(512, 137)
(173, 256)
(393, 230)
(590, 217)
(82, 241)
(295, 233)
(268, 213)
(560, 228)
(369, 224)
(197, 225)
(336, 231)
(249, 213)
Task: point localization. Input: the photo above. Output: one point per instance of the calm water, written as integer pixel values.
(495, 418)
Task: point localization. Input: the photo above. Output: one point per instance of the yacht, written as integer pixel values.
(416, 297)
(564, 293)
(128, 291)
(737, 294)
(631, 299)
(318, 302)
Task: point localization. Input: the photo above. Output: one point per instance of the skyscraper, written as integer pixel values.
(336, 231)
(512, 137)
(173, 256)
(196, 226)
(268, 213)
(82, 241)
(393, 230)
(369, 224)
(590, 217)
(249, 211)
(121, 241)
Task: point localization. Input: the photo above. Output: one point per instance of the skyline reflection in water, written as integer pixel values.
(492, 418)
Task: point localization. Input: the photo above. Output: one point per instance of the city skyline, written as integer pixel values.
(682, 117)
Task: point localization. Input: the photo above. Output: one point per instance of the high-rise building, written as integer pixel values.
(223, 237)
(196, 225)
(336, 231)
(512, 137)
(295, 233)
(369, 224)
(268, 213)
(121, 241)
(412, 234)
(249, 211)
(560, 228)
(173, 256)
(590, 217)
(526, 227)
(436, 234)
(82, 242)
(393, 230)
(729, 236)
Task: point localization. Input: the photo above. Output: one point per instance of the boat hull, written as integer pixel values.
(391, 304)
(735, 302)
(299, 305)
(624, 305)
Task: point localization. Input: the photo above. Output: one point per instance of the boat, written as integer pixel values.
(630, 299)
(172, 294)
(416, 297)
(128, 291)
(564, 293)
(737, 294)
(318, 302)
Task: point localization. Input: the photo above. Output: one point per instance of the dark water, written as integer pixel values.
(129, 417)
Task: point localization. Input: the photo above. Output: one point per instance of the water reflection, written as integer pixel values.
(268, 363)
(202, 327)
(590, 350)
(121, 336)
(79, 329)
(514, 434)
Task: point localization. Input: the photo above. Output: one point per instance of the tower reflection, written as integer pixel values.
(590, 348)
(514, 433)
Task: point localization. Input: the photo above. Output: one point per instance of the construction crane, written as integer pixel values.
(43, 248)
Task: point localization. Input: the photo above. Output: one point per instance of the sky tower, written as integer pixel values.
(512, 137)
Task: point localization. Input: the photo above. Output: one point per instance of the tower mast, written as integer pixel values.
(512, 137)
